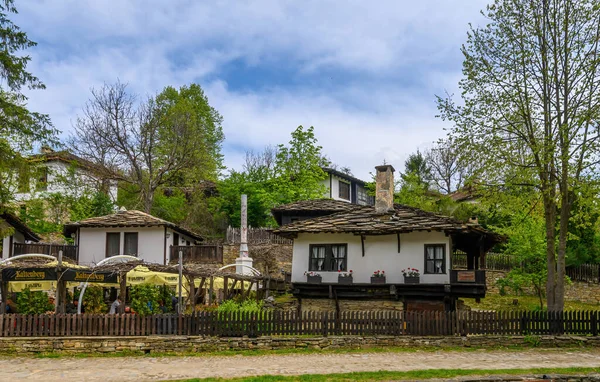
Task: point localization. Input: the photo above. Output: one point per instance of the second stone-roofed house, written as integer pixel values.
(367, 252)
(130, 232)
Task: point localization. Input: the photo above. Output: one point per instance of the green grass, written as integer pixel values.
(403, 375)
(259, 352)
(505, 303)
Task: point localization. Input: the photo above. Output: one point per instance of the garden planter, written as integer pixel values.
(377, 280)
(344, 280)
(411, 280)
(313, 279)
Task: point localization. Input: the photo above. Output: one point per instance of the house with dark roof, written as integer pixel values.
(64, 173)
(370, 252)
(20, 233)
(344, 187)
(130, 232)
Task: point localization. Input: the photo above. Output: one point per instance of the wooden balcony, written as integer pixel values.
(69, 251)
(458, 276)
(197, 254)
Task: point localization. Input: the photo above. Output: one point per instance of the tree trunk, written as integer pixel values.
(565, 212)
(148, 197)
(550, 219)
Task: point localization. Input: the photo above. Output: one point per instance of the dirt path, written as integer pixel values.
(161, 368)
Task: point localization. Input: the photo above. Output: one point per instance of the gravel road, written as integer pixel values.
(161, 368)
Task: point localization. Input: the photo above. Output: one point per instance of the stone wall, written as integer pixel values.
(193, 344)
(583, 292)
(328, 305)
(578, 291)
(275, 256)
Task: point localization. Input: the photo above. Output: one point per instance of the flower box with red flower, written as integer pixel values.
(313, 278)
(378, 277)
(345, 278)
(411, 276)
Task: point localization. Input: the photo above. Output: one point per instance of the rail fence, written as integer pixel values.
(200, 254)
(584, 272)
(502, 262)
(255, 236)
(493, 261)
(425, 323)
(69, 251)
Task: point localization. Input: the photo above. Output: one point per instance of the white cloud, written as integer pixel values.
(384, 60)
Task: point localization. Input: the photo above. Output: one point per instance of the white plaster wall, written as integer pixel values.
(17, 238)
(334, 193)
(381, 253)
(57, 172)
(5, 245)
(92, 243)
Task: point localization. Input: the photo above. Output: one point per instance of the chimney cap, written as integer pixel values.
(384, 167)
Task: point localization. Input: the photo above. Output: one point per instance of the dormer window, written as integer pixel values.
(344, 190)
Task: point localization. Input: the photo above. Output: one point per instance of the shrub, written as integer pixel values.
(145, 299)
(93, 300)
(29, 302)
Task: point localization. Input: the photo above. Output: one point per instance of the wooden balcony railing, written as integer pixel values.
(69, 251)
(199, 254)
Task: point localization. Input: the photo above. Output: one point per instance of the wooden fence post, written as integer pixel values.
(123, 291)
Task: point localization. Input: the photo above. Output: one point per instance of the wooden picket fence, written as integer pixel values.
(425, 323)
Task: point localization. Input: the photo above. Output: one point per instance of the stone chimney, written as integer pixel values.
(46, 149)
(384, 189)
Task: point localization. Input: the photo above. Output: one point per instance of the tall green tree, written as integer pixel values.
(298, 167)
(20, 128)
(173, 139)
(531, 108)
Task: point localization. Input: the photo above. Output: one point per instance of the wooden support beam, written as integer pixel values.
(398, 237)
(4, 292)
(481, 254)
(192, 293)
(362, 243)
(122, 291)
(232, 291)
(210, 290)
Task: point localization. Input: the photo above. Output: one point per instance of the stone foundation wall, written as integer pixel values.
(583, 292)
(192, 344)
(328, 305)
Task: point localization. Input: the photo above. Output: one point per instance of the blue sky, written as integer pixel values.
(363, 73)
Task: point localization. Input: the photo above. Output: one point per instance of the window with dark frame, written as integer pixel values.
(328, 257)
(113, 243)
(42, 179)
(435, 258)
(344, 190)
(131, 243)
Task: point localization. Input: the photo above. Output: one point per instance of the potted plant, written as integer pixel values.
(378, 277)
(411, 275)
(313, 277)
(345, 277)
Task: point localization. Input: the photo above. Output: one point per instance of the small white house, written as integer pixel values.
(20, 234)
(128, 233)
(64, 173)
(345, 187)
(392, 239)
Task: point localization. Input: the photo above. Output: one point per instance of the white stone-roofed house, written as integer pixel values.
(130, 232)
(387, 237)
(20, 234)
(345, 187)
(63, 173)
